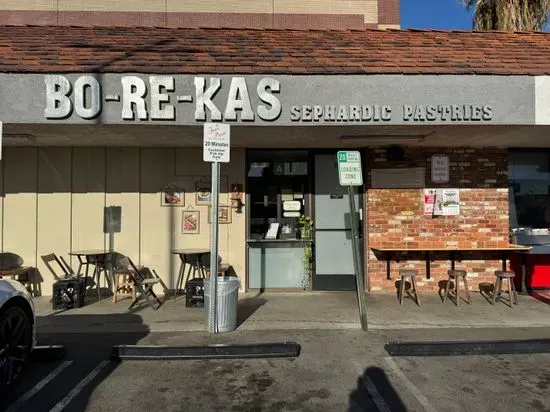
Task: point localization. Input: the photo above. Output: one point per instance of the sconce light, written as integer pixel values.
(237, 197)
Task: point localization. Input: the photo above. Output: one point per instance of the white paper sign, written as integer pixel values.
(216, 142)
(292, 205)
(447, 202)
(440, 168)
(273, 231)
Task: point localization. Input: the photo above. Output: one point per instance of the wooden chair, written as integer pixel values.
(143, 285)
(68, 268)
(59, 271)
(205, 265)
(123, 284)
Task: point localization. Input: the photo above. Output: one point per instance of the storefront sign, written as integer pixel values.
(440, 168)
(88, 98)
(349, 168)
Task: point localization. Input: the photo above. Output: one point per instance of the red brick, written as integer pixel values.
(384, 204)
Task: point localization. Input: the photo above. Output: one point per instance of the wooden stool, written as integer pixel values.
(408, 273)
(457, 275)
(502, 274)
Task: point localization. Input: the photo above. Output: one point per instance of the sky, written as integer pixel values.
(435, 14)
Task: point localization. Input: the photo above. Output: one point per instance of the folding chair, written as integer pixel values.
(62, 272)
(143, 285)
(67, 266)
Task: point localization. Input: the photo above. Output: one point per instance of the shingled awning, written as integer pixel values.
(49, 49)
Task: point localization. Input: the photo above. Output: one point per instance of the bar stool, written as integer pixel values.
(408, 273)
(457, 275)
(503, 274)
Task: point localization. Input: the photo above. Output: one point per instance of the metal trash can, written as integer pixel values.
(227, 302)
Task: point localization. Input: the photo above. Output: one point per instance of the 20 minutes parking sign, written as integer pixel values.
(349, 168)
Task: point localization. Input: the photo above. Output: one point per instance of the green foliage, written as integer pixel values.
(305, 224)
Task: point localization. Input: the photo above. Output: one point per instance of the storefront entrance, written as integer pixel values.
(333, 243)
(282, 186)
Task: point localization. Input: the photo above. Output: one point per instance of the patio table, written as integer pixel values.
(97, 257)
(453, 255)
(191, 257)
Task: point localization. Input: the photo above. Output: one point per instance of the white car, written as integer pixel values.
(17, 329)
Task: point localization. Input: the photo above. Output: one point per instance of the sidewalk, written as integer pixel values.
(299, 311)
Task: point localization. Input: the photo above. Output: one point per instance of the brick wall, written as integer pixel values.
(388, 12)
(395, 217)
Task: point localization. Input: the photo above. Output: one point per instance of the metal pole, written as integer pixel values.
(109, 261)
(214, 248)
(357, 259)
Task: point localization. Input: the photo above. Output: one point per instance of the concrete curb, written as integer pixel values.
(222, 351)
(465, 348)
(47, 353)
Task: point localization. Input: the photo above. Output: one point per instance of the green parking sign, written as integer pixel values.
(350, 172)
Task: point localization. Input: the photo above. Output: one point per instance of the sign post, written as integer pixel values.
(216, 148)
(112, 218)
(350, 174)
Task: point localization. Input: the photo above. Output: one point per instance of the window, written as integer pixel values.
(529, 188)
(277, 183)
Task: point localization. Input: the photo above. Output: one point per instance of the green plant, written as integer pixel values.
(307, 260)
(305, 224)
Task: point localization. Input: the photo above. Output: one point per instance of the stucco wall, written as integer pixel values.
(53, 200)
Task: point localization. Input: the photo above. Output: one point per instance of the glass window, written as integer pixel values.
(277, 183)
(529, 188)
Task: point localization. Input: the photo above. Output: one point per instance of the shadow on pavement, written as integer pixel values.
(89, 354)
(543, 297)
(247, 306)
(374, 393)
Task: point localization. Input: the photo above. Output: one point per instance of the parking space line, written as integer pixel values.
(378, 399)
(78, 388)
(38, 387)
(410, 386)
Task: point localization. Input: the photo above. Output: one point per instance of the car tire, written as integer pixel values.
(15, 343)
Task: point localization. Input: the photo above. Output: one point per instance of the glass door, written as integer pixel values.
(334, 268)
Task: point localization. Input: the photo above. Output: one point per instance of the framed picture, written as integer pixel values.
(203, 193)
(172, 197)
(190, 222)
(224, 215)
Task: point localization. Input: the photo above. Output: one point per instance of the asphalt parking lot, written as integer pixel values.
(336, 371)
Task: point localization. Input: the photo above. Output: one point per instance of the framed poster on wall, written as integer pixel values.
(190, 222)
